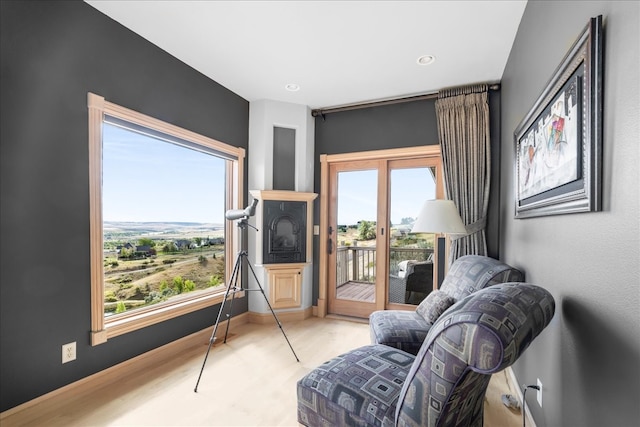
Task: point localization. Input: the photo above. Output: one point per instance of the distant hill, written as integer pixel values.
(162, 230)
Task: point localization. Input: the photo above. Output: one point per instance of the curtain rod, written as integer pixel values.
(432, 95)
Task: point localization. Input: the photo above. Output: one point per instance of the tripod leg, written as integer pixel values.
(236, 270)
(271, 309)
(226, 332)
(215, 328)
(211, 340)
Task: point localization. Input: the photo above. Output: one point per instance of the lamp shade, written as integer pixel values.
(439, 216)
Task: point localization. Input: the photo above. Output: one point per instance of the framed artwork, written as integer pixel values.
(559, 142)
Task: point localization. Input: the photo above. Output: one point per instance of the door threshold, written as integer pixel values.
(347, 318)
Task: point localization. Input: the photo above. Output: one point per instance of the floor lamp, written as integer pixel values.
(440, 217)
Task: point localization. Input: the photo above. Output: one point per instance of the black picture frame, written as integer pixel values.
(558, 162)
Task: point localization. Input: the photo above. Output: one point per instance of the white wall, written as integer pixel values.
(264, 115)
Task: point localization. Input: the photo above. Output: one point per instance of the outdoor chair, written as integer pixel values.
(412, 281)
(419, 281)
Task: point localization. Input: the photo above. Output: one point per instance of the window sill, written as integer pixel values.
(141, 320)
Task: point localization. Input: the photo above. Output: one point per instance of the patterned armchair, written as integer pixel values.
(407, 330)
(445, 384)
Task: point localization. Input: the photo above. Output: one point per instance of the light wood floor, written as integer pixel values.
(249, 381)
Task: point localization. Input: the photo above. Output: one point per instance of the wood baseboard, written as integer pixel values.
(283, 316)
(122, 370)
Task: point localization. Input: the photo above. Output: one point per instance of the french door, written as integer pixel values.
(367, 208)
(355, 276)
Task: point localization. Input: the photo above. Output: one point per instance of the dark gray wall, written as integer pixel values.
(52, 54)
(588, 359)
(284, 158)
(408, 124)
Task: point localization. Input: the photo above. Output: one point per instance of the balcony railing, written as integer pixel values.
(358, 263)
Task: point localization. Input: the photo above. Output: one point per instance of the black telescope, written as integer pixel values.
(233, 214)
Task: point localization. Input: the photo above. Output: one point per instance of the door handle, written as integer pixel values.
(330, 242)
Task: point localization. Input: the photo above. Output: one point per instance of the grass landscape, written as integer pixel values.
(149, 263)
(160, 262)
(364, 234)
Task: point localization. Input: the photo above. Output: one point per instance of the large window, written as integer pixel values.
(160, 245)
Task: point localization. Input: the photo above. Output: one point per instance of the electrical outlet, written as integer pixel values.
(539, 392)
(68, 352)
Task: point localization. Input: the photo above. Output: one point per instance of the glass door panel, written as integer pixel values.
(411, 255)
(356, 237)
(353, 285)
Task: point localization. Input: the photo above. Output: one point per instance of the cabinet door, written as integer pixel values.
(285, 285)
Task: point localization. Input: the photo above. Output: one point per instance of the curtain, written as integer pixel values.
(463, 129)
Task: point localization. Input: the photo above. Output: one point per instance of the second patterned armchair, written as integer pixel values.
(407, 330)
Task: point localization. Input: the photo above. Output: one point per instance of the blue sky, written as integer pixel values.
(145, 179)
(148, 180)
(357, 194)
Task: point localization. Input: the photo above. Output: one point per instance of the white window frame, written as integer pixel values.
(102, 329)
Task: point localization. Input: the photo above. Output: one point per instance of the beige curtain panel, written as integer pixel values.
(463, 128)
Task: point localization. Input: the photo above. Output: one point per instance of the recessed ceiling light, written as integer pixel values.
(292, 87)
(426, 60)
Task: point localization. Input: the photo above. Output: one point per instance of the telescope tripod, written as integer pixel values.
(232, 289)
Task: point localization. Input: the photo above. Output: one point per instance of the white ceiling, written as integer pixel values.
(338, 52)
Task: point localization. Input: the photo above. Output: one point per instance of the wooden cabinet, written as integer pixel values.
(285, 285)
